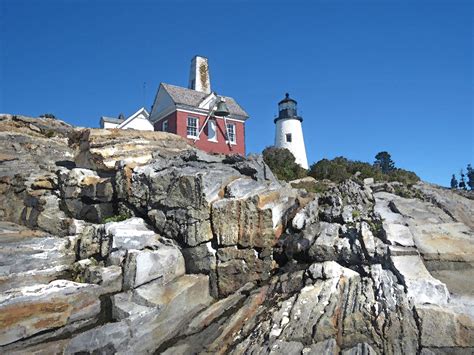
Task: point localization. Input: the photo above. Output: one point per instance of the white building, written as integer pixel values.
(139, 121)
(288, 130)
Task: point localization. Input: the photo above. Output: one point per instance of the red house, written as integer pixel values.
(191, 113)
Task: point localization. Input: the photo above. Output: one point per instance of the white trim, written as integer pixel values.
(208, 101)
(132, 117)
(163, 114)
(197, 127)
(167, 125)
(232, 142)
(204, 113)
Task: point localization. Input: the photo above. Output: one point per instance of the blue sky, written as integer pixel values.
(393, 75)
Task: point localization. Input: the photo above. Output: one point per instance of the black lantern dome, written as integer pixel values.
(287, 108)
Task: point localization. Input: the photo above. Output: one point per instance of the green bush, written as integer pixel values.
(340, 169)
(282, 163)
(117, 218)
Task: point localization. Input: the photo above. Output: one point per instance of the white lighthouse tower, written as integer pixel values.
(288, 130)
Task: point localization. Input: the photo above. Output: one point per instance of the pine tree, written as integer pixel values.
(454, 182)
(462, 181)
(470, 176)
(384, 161)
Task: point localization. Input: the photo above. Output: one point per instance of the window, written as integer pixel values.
(211, 131)
(164, 126)
(192, 128)
(231, 132)
(288, 137)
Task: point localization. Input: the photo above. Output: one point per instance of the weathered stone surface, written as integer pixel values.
(31, 151)
(101, 149)
(33, 309)
(200, 259)
(441, 327)
(28, 257)
(306, 216)
(142, 266)
(324, 246)
(421, 286)
(445, 242)
(132, 233)
(460, 208)
(108, 278)
(255, 221)
(236, 267)
(213, 312)
(328, 347)
(360, 349)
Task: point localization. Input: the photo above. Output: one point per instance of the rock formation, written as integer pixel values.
(135, 242)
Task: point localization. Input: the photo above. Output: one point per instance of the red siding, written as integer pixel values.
(209, 146)
(171, 123)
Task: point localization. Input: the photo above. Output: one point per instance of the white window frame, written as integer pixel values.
(165, 126)
(214, 124)
(188, 127)
(232, 135)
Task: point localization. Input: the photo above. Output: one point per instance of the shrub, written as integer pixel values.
(282, 163)
(48, 115)
(340, 169)
(116, 218)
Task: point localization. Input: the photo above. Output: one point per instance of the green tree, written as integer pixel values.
(462, 180)
(384, 162)
(282, 163)
(48, 115)
(470, 176)
(454, 182)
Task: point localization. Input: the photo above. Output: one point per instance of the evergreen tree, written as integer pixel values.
(454, 182)
(462, 181)
(384, 162)
(282, 163)
(470, 176)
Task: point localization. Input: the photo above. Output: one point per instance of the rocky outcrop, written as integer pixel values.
(211, 254)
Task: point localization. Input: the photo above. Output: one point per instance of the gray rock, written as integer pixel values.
(327, 347)
(132, 233)
(360, 349)
(324, 247)
(286, 348)
(28, 257)
(33, 309)
(142, 266)
(200, 259)
(441, 327)
(306, 216)
(421, 286)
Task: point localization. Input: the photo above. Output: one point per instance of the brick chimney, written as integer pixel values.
(199, 78)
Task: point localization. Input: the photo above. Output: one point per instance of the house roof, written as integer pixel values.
(192, 98)
(112, 120)
(132, 117)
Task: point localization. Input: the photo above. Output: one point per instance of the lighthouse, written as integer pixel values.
(288, 130)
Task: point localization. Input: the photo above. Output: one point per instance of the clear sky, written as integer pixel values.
(393, 75)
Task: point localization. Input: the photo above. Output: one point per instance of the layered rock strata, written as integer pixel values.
(135, 242)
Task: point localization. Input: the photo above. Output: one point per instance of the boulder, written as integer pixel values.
(33, 309)
(141, 266)
(236, 267)
(30, 256)
(421, 286)
(443, 328)
(101, 149)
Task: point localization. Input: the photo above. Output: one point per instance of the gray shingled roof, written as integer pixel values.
(112, 120)
(192, 98)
